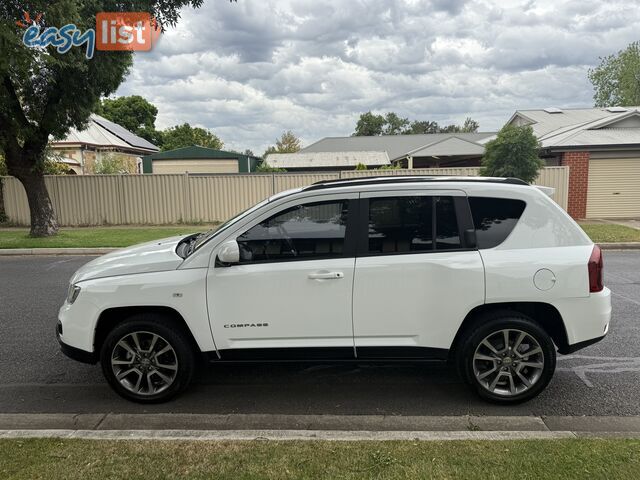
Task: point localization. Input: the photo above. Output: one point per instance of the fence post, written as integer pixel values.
(187, 198)
(3, 214)
(121, 201)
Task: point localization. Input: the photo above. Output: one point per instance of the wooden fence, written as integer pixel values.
(166, 199)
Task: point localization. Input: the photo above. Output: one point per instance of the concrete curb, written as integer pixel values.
(280, 435)
(620, 246)
(57, 251)
(249, 426)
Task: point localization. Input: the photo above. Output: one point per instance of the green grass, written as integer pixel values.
(94, 237)
(608, 232)
(546, 459)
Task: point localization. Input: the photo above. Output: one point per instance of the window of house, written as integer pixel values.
(303, 232)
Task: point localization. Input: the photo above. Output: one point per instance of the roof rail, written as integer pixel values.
(347, 182)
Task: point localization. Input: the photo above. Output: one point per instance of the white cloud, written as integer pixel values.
(252, 69)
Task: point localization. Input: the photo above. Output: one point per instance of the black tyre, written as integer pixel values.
(147, 359)
(507, 358)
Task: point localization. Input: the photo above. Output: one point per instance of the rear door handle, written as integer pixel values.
(326, 275)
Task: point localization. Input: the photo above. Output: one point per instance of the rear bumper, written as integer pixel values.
(579, 346)
(586, 320)
(73, 352)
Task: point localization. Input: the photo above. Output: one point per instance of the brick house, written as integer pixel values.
(601, 147)
(82, 150)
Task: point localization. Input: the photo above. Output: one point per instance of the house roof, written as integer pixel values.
(326, 159)
(196, 152)
(583, 127)
(398, 146)
(100, 132)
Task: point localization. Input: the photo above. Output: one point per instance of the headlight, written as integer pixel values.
(73, 293)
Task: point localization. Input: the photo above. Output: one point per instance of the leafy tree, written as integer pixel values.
(391, 124)
(3, 167)
(393, 166)
(361, 166)
(616, 80)
(44, 93)
(134, 113)
(394, 125)
(54, 167)
(270, 149)
(249, 152)
(513, 153)
(423, 126)
(185, 136)
(287, 143)
(369, 124)
(114, 164)
(265, 167)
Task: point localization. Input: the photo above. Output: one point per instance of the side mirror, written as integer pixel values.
(470, 240)
(229, 253)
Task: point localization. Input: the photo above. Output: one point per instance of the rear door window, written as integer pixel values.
(412, 224)
(494, 219)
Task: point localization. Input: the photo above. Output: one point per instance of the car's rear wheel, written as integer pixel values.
(147, 359)
(507, 358)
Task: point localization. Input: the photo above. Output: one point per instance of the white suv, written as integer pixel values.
(488, 273)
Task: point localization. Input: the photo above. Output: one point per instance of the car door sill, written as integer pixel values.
(329, 354)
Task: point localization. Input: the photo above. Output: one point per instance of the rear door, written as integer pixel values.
(415, 278)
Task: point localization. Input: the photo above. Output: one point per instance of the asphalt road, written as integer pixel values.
(603, 379)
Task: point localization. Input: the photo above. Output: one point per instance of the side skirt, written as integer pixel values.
(330, 354)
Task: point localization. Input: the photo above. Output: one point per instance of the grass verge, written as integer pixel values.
(608, 232)
(523, 459)
(94, 237)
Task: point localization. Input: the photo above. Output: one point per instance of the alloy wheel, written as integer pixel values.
(508, 362)
(144, 363)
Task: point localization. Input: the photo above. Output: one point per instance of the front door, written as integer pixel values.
(415, 278)
(291, 294)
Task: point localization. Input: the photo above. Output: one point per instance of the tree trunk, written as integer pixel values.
(43, 217)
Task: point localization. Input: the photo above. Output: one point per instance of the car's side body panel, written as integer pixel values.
(180, 290)
(415, 300)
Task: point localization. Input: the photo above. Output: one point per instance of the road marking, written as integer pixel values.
(600, 365)
(626, 298)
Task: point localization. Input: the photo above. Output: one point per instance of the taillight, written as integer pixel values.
(595, 270)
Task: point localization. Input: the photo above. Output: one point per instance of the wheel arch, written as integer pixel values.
(112, 317)
(544, 314)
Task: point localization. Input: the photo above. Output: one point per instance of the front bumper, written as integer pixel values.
(73, 352)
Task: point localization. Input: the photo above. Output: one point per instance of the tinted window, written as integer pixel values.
(494, 219)
(315, 230)
(447, 233)
(405, 224)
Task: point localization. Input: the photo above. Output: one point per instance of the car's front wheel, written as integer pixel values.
(508, 358)
(147, 359)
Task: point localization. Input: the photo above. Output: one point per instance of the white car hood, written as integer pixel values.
(157, 256)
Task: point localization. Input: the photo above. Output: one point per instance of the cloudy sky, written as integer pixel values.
(252, 69)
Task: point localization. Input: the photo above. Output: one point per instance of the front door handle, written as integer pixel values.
(326, 275)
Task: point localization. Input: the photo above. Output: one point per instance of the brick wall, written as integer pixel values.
(578, 163)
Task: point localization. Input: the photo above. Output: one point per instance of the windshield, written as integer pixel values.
(206, 236)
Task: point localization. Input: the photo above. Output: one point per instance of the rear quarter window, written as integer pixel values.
(494, 218)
